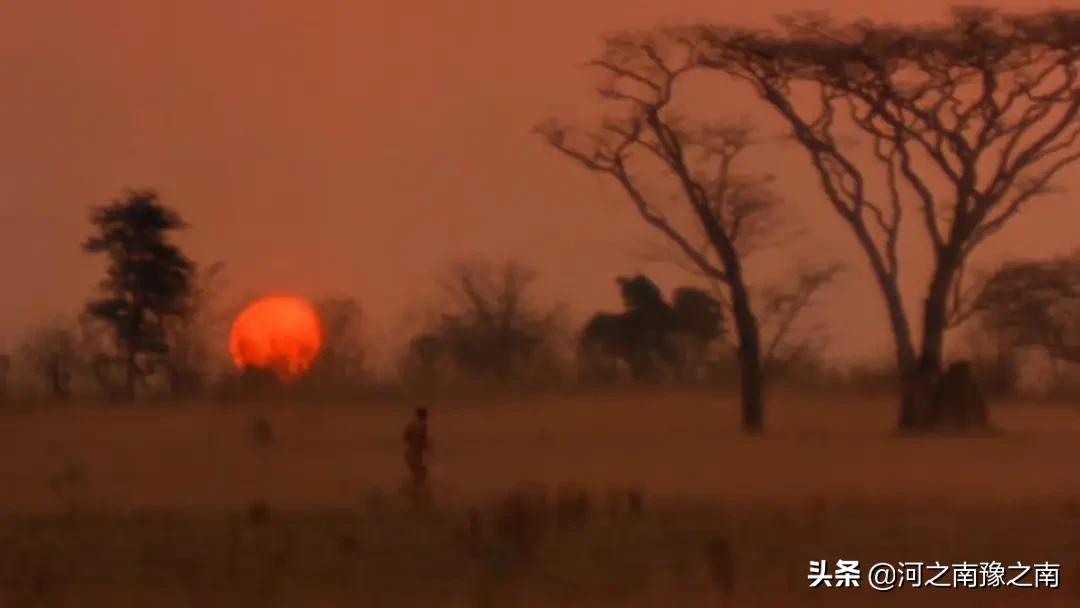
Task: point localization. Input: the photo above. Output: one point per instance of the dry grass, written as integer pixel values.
(653, 500)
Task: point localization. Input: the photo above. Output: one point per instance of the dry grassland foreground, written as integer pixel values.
(599, 500)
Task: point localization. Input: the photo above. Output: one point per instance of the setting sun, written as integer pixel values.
(281, 334)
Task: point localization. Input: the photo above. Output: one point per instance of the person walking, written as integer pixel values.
(417, 447)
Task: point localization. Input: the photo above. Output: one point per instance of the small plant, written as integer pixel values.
(521, 520)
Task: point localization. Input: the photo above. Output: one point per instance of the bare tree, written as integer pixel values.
(489, 328)
(50, 351)
(188, 333)
(342, 361)
(967, 122)
(783, 308)
(95, 343)
(715, 216)
(786, 339)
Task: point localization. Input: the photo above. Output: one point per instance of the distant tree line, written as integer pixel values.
(954, 128)
(153, 327)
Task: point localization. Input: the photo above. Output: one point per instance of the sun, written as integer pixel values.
(281, 333)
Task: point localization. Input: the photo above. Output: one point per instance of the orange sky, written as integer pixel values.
(353, 147)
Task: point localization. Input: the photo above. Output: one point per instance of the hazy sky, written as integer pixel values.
(354, 147)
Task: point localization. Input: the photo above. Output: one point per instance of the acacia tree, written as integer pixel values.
(1034, 304)
(148, 279)
(720, 215)
(1020, 308)
(965, 123)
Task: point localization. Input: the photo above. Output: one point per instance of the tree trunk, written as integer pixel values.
(750, 372)
(134, 338)
(935, 318)
(934, 325)
(916, 395)
(914, 391)
(933, 345)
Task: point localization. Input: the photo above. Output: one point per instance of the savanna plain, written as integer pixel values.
(595, 499)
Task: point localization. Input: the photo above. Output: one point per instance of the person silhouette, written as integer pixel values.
(417, 447)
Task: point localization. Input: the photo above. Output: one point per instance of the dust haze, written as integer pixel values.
(554, 305)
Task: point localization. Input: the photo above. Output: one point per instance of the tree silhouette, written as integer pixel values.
(1035, 304)
(188, 332)
(698, 319)
(966, 122)
(490, 331)
(50, 352)
(650, 334)
(341, 361)
(147, 279)
(647, 321)
(781, 312)
(638, 337)
(724, 214)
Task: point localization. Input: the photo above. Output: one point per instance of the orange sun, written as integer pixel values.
(281, 334)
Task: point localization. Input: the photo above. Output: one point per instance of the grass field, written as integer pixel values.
(299, 505)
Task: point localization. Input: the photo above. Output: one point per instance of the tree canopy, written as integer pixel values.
(652, 337)
(958, 125)
(147, 280)
(1035, 304)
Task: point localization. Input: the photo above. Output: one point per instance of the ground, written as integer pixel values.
(301, 504)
